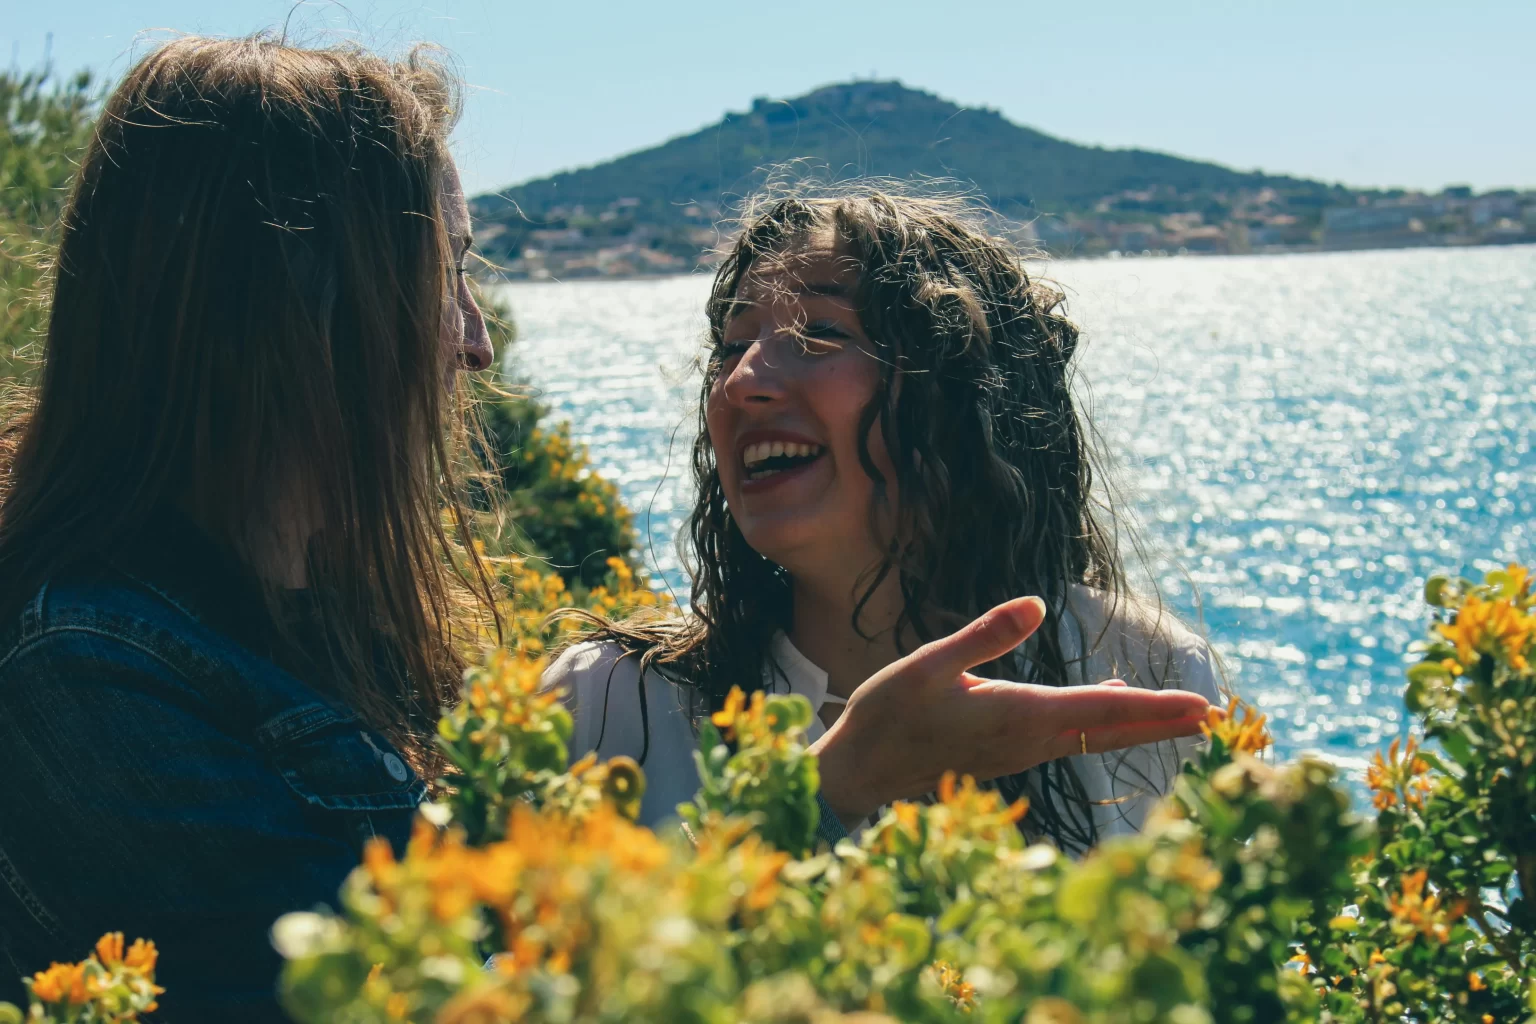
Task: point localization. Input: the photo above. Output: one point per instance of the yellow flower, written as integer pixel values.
(1497, 628)
(954, 985)
(1393, 778)
(109, 949)
(1419, 913)
(63, 983)
(725, 718)
(379, 861)
(1240, 735)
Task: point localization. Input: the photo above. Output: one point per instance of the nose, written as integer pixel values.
(475, 352)
(755, 379)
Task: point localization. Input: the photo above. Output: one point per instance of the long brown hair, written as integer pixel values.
(1000, 479)
(247, 308)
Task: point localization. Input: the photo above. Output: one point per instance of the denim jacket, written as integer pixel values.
(162, 776)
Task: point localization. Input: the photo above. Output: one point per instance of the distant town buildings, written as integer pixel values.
(575, 242)
(1453, 217)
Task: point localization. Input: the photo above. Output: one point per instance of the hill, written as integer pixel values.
(656, 210)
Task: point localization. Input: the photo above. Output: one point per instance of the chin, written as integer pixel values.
(782, 543)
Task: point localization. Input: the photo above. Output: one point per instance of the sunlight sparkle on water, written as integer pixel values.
(1303, 438)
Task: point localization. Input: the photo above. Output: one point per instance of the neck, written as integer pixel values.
(822, 629)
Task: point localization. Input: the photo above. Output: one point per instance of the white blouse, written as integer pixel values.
(1132, 642)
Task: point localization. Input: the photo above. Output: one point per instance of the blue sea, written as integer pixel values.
(1303, 440)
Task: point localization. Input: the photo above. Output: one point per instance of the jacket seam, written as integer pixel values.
(28, 645)
(28, 899)
(158, 592)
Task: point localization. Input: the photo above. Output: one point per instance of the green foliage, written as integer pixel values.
(1253, 895)
(1443, 927)
(767, 775)
(559, 510)
(46, 126)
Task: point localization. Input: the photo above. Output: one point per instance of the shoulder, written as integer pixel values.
(586, 665)
(1142, 640)
(112, 616)
(96, 622)
(602, 685)
(620, 711)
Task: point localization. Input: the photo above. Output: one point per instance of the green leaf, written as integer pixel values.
(1458, 744)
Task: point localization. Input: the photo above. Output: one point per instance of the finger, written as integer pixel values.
(1079, 708)
(1120, 737)
(990, 636)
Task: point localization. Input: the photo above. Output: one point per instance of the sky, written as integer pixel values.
(1406, 94)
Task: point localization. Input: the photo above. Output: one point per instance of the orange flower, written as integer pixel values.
(726, 717)
(1420, 913)
(1475, 982)
(379, 861)
(63, 983)
(142, 956)
(947, 788)
(1496, 627)
(109, 949)
(954, 985)
(907, 816)
(1240, 735)
(1393, 778)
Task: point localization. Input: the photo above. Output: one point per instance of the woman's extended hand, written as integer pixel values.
(925, 715)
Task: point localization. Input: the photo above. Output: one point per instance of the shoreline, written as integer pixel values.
(1112, 256)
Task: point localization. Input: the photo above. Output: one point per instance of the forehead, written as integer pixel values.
(815, 268)
(455, 209)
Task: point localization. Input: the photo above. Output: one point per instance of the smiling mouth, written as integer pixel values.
(769, 457)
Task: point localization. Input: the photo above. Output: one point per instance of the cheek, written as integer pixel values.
(719, 422)
(841, 393)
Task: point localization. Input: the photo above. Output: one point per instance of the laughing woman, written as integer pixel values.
(889, 449)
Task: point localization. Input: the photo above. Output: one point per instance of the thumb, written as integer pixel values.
(990, 636)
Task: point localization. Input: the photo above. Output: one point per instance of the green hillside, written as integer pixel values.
(663, 201)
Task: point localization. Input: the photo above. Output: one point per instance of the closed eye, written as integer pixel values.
(825, 329)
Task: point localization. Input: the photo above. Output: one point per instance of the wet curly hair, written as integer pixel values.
(1000, 479)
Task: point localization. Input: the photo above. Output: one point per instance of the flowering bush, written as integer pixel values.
(558, 509)
(1254, 894)
(1442, 925)
(113, 985)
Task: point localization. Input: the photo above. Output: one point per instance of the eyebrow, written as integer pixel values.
(815, 289)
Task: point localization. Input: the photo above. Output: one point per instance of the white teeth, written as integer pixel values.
(753, 454)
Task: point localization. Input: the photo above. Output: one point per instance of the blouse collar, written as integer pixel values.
(803, 676)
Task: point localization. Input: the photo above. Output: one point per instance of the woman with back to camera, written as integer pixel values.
(226, 625)
(888, 448)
